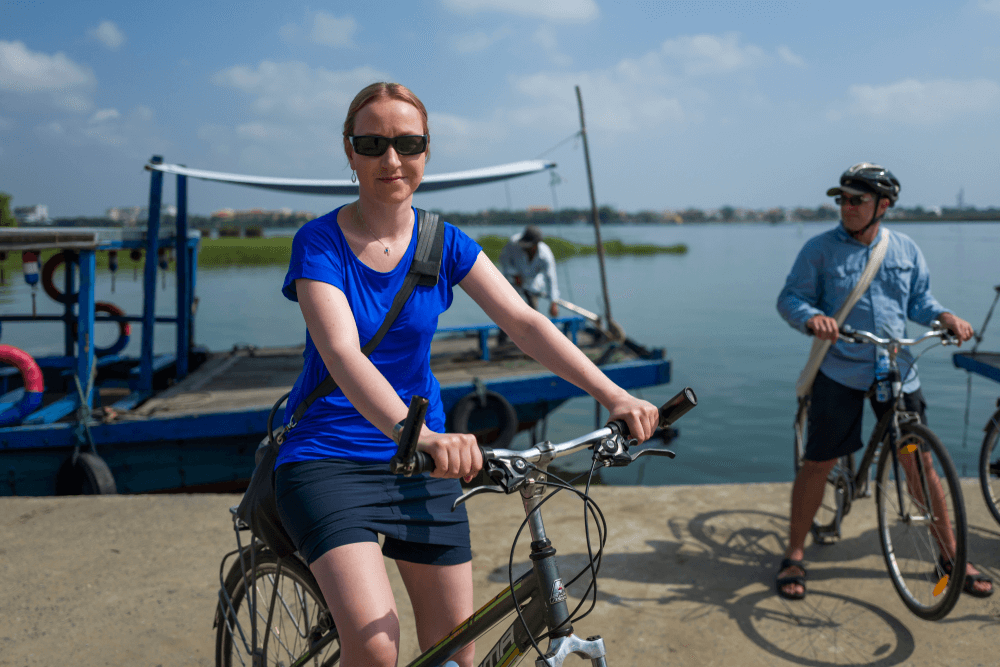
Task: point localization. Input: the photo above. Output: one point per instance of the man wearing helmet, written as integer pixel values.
(824, 273)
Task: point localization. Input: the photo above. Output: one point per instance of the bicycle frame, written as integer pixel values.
(892, 419)
(541, 597)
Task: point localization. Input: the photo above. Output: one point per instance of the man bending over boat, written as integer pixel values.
(824, 273)
(528, 263)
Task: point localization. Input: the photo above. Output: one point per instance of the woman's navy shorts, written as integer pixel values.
(328, 503)
(835, 418)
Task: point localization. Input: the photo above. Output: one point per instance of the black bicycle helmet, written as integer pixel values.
(866, 177)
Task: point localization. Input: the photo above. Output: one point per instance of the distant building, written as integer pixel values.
(32, 215)
(133, 215)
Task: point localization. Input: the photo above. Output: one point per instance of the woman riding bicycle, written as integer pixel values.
(335, 492)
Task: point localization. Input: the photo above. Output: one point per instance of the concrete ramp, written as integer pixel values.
(687, 579)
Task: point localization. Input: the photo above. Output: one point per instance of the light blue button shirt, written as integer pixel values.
(828, 267)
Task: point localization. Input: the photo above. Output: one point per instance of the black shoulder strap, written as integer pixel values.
(424, 270)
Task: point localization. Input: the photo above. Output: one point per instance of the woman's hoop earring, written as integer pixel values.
(354, 176)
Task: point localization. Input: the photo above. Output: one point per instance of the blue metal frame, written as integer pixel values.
(975, 363)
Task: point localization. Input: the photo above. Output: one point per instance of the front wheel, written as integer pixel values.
(989, 467)
(285, 592)
(924, 543)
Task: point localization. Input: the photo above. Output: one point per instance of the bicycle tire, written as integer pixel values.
(300, 614)
(989, 466)
(837, 492)
(911, 544)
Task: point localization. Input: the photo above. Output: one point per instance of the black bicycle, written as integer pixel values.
(923, 543)
(986, 364)
(271, 610)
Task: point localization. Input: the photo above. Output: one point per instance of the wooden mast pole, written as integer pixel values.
(611, 325)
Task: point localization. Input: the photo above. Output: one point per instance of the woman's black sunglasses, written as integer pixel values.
(374, 146)
(853, 200)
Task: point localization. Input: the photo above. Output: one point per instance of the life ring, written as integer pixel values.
(48, 271)
(124, 329)
(491, 401)
(34, 385)
(85, 474)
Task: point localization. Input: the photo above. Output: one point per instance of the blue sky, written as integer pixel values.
(688, 103)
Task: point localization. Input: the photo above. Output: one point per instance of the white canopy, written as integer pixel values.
(313, 186)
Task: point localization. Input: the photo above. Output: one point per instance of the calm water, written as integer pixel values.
(712, 309)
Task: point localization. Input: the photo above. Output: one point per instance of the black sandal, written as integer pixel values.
(800, 579)
(970, 580)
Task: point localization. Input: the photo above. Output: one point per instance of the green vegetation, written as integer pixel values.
(234, 252)
(229, 252)
(7, 218)
(563, 249)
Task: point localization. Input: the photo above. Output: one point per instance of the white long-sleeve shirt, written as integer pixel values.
(538, 274)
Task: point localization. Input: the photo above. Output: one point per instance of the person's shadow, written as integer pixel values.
(716, 555)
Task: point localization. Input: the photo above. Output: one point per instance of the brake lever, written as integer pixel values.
(653, 451)
(475, 492)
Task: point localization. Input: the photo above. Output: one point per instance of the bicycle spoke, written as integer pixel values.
(297, 619)
(921, 522)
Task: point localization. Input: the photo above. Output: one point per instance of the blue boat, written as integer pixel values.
(190, 420)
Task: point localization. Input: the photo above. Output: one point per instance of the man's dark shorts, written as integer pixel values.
(835, 418)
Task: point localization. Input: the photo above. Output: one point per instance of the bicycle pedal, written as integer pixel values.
(825, 537)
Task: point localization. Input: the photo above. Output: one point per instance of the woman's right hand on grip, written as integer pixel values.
(455, 454)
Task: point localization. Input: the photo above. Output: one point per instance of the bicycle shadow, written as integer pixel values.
(716, 556)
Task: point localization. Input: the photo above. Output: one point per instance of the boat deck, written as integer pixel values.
(246, 378)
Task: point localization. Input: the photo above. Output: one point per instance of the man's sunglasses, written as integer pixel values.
(853, 200)
(374, 146)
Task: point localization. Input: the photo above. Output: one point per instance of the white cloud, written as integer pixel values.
(575, 11)
(712, 54)
(920, 102)
(293, 90)
(25, 71)
(293, 124)
(659, 90)
(790, 58)
(992, 6)
(454, 135)
(108, 34)
(323, 28)
(478, 41)
(546, 38)
(104, 115)
(632, 96)
(135, 133)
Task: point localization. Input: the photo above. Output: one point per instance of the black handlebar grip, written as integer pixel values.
(422, 462)
(671, 411)
(677, 407)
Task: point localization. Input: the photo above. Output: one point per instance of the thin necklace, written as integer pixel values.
(357, 214)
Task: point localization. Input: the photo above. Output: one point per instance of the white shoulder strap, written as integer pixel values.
(819, 347)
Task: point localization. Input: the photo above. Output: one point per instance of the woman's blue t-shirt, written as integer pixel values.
(331, 427)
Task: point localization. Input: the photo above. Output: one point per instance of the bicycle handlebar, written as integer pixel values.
(851, 335)
(409, 460)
